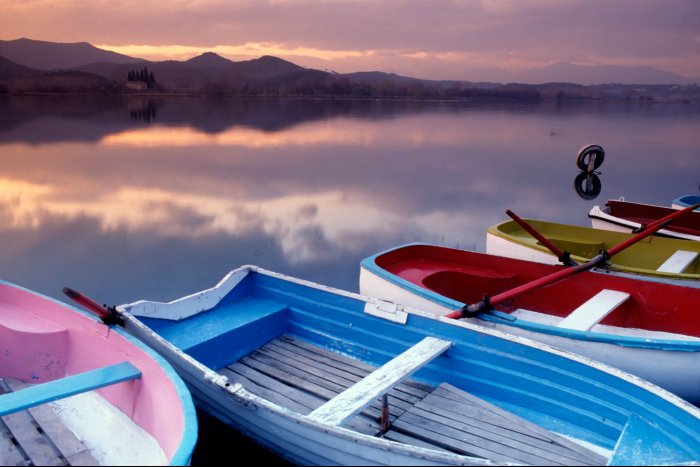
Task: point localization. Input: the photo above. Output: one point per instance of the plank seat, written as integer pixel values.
(301, 376)
(594, 310)
(678, 262)
(357, 397)
(66, 387)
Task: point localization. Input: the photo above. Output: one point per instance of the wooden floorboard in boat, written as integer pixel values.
(301, 377)
(471, 426)
(38, 437)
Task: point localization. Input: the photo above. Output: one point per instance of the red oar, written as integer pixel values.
(564, 256)
(488, 303)
(108, 316)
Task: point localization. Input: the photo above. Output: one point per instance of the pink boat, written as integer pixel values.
(75, 391)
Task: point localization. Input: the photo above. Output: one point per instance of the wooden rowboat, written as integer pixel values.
(74, 391)
(327, 377)
(625, 216)
(646, 328)
(655, 257)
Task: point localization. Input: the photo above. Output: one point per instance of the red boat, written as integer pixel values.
(646, 327)
(625, 216)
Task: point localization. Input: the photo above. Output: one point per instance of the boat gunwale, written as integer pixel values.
(603, 215)
(370, 264)
(496, 231)
(188, 441)
(215, 378)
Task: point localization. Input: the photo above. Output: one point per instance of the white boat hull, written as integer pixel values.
(675, 371)
(604, 221)
(501, 247)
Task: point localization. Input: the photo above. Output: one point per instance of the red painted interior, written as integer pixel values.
(644, 214)
(465, 276)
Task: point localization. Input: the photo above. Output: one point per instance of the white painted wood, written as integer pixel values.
(190, 305)
(358, 396)
(499, 246)
(601, 219)
(386, 310)
(594, 310)
(678, 262)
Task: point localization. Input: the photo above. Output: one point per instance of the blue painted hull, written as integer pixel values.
(573, 396)
(686, 201)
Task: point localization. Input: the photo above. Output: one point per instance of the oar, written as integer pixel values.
(107, 315)
(564, 256)
(488, 303)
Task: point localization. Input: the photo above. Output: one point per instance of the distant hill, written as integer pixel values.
(210, 71)
(12, 70)
(42, 55)
(599, 74)
(83, 68)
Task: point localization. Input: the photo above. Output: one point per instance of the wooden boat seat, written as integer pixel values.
(356, 398)
(594, 310)
(234, 330)
(66, 387)
(678, 262)
(301, 376)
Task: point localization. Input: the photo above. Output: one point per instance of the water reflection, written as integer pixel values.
(128, 199)
(588, 185)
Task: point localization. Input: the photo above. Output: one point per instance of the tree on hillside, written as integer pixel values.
(144, 76)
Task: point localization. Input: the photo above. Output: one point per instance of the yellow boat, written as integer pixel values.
(653, 257)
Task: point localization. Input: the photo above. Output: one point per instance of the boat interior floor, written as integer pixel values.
(301, 376)
(38, 436)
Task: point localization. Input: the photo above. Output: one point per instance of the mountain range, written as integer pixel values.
(28, 65)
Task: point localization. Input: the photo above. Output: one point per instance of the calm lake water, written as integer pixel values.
(135, 198)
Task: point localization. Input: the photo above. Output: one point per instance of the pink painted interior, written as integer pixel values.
(54, 341)
(32, 349)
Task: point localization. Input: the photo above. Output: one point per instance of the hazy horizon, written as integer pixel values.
(450, 40)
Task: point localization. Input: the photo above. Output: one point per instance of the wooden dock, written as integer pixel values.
(302, 377)
(38, 437)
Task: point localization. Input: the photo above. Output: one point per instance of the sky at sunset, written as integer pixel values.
(436, 39)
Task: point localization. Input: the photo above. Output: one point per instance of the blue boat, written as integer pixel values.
(686, 201)
(327, 377)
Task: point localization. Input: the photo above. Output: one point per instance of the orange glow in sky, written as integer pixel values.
(462, 40)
